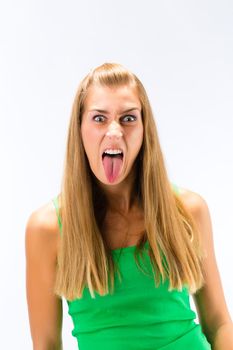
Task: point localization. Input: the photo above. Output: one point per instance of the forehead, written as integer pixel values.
(108, 98)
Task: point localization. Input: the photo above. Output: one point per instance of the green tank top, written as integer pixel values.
(138, 315)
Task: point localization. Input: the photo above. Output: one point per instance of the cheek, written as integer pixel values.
(86, 136)
(90, 138)
(137, 139)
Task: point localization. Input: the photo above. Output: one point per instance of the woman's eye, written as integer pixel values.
(99, 118)
(129, 117)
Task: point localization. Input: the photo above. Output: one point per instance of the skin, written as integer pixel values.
(42, 236)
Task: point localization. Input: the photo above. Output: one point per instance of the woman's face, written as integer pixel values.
(111, 121)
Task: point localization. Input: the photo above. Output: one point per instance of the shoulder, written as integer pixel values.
(42, 230)
(44, 219)
(197, 206)
(193, 202)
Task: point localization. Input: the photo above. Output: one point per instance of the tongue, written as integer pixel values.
(112, 166)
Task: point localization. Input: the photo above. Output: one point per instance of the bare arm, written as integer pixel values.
(44, 307)
(210, 301)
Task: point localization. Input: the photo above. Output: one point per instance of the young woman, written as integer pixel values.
(122, 244)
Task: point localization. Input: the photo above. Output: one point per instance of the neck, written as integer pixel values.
(121, 197)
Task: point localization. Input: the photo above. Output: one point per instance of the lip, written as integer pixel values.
(113, 148)
(123, 153)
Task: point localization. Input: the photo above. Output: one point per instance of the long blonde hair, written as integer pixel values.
(84, 260)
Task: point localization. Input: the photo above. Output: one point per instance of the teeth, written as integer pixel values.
(113, 151)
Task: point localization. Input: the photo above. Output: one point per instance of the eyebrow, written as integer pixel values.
(104, 111)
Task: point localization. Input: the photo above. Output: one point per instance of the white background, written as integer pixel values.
(183, 53)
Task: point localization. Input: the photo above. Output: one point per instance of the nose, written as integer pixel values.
(114, 130)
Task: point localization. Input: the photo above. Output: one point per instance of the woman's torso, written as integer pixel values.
(138, 315)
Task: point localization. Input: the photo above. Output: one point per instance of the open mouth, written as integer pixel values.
(112, 152)
(117, 155)
(112, 163)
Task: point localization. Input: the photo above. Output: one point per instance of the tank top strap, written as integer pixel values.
(175, 188)
(56, 205)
